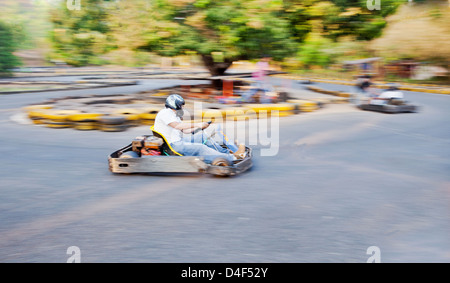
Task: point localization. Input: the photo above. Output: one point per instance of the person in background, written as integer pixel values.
(392, 95)
(260, 83)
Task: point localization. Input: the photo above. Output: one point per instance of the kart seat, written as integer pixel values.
(166, 148)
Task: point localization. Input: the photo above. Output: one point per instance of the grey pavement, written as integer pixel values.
(341, 181)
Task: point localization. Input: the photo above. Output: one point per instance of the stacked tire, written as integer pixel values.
(58, 119)
(85, 121)
(148, 115)
(304, 105)
(36, 113)
(112, 123)
(131, 115)
(267, 110)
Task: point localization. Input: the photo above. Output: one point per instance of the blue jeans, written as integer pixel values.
(199, 145)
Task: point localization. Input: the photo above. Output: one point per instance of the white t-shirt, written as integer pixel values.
(162, 121)
(385, 96)
(391, 94)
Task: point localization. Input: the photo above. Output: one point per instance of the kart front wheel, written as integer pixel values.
(220, 161)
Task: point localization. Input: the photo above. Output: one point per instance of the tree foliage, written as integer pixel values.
(219, 31)
(8, 45)
(79, 37)
(236, 30)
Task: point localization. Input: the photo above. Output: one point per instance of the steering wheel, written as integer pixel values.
(200, 129)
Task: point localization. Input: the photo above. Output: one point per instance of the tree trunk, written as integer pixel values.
(216, 68)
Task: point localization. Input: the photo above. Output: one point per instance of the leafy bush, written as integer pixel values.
(8, 45)
(315, 51)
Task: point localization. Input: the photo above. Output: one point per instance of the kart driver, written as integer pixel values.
(168, 123)
(390, 95)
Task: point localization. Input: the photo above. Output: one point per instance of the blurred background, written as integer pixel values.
(342, 180)
(394, 40)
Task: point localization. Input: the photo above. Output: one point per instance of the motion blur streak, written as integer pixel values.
(129, 197)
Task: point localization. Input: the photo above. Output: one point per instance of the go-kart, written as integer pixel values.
(390, 101)
(389, 106)
(153, 154)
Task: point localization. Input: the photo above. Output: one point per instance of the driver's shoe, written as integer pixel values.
(240, 153)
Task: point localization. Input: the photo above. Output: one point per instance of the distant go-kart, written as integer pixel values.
(390, 101)
(153, 154)
(391, 106)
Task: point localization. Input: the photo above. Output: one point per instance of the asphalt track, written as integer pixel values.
(342, 180)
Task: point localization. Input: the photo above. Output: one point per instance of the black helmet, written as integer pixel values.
(365, 85)
(175, 102)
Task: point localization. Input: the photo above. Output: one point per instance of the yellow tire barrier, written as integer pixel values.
(37, 121)
(283, 109)
(56, 115)
(37, 107)
(132, 115)
(85, 125)
(212, 113)
(159, 94)
(83, 117)
(112, 123)
(112, 128)
(228, 113)
(148, 115)
(344, 94)
(381, 84)
(85, 121)
(320, 101)
(36, 116)
(57, 118)
(56, 125)
(304, 105)
(239, 114)
(36, 112)
(341, 100)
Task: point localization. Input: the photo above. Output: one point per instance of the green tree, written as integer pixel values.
(7, 46)
(353, 18)
(80, 36)
(220, 31)
(314, 51)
